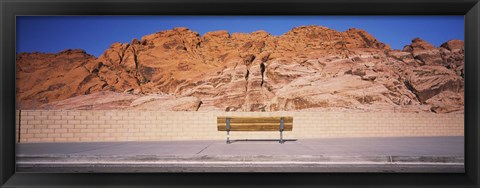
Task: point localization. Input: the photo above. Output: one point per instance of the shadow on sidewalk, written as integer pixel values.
(262, 140)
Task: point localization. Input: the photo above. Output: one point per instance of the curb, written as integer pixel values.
(288, 159)
(241, 164)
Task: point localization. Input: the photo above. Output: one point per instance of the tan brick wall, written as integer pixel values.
(98, 125)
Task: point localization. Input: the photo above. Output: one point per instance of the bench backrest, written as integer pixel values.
(255, 123)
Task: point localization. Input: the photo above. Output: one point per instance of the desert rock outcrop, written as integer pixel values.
(307, 68)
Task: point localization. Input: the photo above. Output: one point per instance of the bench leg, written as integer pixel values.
(228, 137)
(281, 137)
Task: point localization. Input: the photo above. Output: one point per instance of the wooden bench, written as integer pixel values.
(255, 124)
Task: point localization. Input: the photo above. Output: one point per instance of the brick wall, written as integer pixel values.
(94, 125)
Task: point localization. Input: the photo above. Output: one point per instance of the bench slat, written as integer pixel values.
(243, 124)
(246, 127)
(255, 119)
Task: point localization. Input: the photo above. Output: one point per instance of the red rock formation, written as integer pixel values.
(307, 68)
(44, 78)
(428, 81)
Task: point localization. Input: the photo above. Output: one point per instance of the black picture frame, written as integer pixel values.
(11, 8)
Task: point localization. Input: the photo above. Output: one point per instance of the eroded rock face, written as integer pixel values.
(446, 102)
(307, 68)
(428, 81)
(453, 54)
(166, 103)
(44, 78)
(424, 52)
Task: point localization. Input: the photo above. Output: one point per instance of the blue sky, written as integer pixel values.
(95, 33)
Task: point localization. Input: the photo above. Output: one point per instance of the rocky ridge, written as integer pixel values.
(307, 68)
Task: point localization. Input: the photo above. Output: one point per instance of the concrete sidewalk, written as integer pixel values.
(406, 154)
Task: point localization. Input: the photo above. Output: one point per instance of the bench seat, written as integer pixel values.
(254, 124)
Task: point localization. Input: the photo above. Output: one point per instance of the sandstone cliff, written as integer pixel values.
(307, 68)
